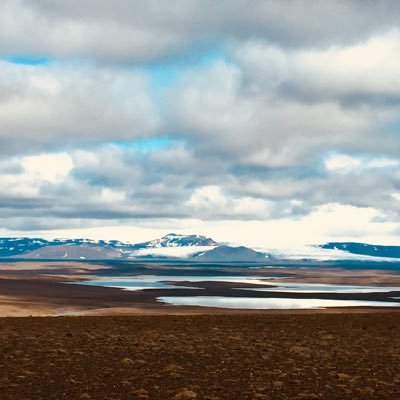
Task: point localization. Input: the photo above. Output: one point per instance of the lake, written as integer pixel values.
(270, 285)
(268, 303)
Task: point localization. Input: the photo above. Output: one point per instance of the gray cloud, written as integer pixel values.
(143, 30)
(213, 105)
(49, 106)
(123, 186)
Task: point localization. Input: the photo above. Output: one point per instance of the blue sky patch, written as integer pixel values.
(26, 59)
(164, 75)
(149, 144)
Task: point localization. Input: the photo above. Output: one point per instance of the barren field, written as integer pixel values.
(344, 356)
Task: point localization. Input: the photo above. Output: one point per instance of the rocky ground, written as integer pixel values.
(321, 356)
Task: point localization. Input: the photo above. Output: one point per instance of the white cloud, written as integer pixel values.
(342, 162)
(112, 196)
(49, 167)
(354, 71)
(345, 163)
(211, 202)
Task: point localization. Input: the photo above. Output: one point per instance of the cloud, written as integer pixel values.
(210, 202)
(141, 31)
(213, 106)
(61, 165)
(244, 114)
(344, 163)
(115, 183)
(352, 74)
(49, 106)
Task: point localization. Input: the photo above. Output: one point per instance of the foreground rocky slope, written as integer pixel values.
(329, 357)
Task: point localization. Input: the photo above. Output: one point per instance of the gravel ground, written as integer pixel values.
(343, 356)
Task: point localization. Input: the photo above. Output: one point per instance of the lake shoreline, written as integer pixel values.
(39, 289)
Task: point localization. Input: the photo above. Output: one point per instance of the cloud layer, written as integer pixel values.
(143, 30)
(130, 112)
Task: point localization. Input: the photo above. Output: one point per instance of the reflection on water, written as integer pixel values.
(268, 303)
(276, 284)
(324, 288)
(141, 282)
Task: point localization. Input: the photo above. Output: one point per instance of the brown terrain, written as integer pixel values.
(113, 348)
(322, 356)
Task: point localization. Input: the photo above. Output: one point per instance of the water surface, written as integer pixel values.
(294, 287)
(143, 282)
(268, 303)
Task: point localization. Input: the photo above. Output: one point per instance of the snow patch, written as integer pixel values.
(174, 252)
(317, 253)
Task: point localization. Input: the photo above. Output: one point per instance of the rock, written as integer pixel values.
(301, 351)
(368, 390)
(173, 368)
(327, 337)
(309, 396)
(85, 396)
(127, 362)
(186, 395)
(141, 393)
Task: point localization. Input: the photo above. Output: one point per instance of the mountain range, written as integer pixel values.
(187, 247)
(171, 246)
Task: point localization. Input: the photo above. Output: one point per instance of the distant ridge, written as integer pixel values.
(10, 247)
(183, 247)
(178, 246)
(74, 252)
(228, 253)
(364, 249)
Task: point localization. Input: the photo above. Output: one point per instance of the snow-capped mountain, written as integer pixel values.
(174, 240)
(11, 247)
(170, 246)
(173, 246)
(188, 247)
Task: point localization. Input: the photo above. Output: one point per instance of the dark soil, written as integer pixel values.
(238, 357)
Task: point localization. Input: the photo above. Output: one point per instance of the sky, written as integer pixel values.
(265, 123)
